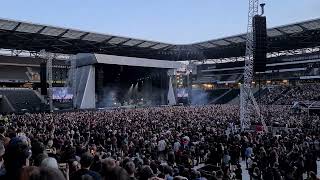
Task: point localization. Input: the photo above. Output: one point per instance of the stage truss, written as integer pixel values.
(72, 77)
(249, 108)
(48, 56)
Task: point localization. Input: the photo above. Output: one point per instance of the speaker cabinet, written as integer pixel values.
(259, 43)
(43, 78)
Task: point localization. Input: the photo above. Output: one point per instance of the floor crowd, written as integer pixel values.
(158, 143)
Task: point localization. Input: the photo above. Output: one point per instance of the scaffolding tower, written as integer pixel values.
(48, 57)
(249, 109)
(72, 77)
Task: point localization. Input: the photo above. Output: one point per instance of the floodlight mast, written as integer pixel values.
(248, 105)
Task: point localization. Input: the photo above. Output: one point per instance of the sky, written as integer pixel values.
(170, 21)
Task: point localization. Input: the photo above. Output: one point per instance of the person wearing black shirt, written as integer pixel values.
(130, 168)
(86, 162)
(16, 157)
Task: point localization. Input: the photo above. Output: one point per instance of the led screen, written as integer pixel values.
(62, 93)
(182, 92)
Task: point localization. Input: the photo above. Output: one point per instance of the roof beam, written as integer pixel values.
(304, 29)
(124, 42)
(82, 36)
(107, 40)
(228, 41)
(166, 47)
(60, 35)
(15, 28)
(41, 30)
(11, 39)
(63, 41)
(139, 43)
(153, 45)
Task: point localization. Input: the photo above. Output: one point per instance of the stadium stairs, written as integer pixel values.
(215, 94)
(260, 92)
(37, 92)
(202, 97)
(236, 100)
(5, 105)
(227, 96)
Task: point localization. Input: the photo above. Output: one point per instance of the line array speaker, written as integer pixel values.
(259, 43)
(43, 78)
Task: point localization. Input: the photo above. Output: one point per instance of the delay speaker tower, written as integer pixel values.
(259, 43)
(43, 78)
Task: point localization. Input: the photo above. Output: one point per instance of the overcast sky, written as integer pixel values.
(172, 21)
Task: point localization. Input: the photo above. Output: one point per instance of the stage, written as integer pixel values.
(101, 81)
(122, 85)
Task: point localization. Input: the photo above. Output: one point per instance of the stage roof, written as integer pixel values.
(35, 37)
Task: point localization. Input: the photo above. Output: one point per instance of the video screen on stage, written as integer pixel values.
(182, 93)
(62, 93)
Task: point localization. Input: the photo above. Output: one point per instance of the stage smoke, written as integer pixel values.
(199, 97)
(109, 97)
(130, 92)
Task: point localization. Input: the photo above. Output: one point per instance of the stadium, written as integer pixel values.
(84, 105)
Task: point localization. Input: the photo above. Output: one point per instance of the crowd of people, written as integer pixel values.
(157, 143)
(300, 93)
(272, 94)
(287, 95)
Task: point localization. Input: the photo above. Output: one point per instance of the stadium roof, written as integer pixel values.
(35, 37)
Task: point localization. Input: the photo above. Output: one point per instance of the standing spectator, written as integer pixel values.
(85, 162)
(162, 145)
(2, 133)
(131, 169)
(16, 157)
(313, 176)
(2, 152)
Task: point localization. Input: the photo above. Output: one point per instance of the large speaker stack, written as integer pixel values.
(259, 43)
(43, 78)
(99, 82)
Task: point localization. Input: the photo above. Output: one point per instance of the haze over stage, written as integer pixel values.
(122, 85)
